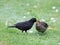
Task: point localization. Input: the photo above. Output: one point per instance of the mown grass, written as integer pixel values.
(13, 11)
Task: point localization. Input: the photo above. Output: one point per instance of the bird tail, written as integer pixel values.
(11, 26)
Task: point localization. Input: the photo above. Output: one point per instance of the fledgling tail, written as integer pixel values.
(11, 26)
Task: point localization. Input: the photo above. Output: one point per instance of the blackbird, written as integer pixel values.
(24, 26)
(41, 26)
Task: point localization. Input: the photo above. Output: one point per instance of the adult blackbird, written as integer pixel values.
(24, 26)
(41, 26)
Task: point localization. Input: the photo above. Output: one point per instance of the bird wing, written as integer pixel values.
(24, 25)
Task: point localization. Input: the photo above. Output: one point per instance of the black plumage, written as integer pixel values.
(41, 26)
(24, 26)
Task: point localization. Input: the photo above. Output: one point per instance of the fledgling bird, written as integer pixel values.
(24, 26)
(41, 26)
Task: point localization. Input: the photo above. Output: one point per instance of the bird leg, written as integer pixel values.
(26, 31)
(22, 31)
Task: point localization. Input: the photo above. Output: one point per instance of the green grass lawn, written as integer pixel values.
(13, 11)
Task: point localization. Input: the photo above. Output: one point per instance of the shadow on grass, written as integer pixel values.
(41, 34)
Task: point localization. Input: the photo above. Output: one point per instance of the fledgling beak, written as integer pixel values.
(50, 27)
(37, 21)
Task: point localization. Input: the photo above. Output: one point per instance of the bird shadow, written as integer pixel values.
(42, 34)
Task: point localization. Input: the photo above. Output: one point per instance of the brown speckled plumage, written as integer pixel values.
(41, 26)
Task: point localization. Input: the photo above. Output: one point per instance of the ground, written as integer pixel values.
(13, 11)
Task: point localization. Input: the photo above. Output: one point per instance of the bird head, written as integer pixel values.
(33, 20)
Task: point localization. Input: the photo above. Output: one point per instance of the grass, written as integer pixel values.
(14, 11)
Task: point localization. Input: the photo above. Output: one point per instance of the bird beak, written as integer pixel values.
(50, 27)
(37, 21)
